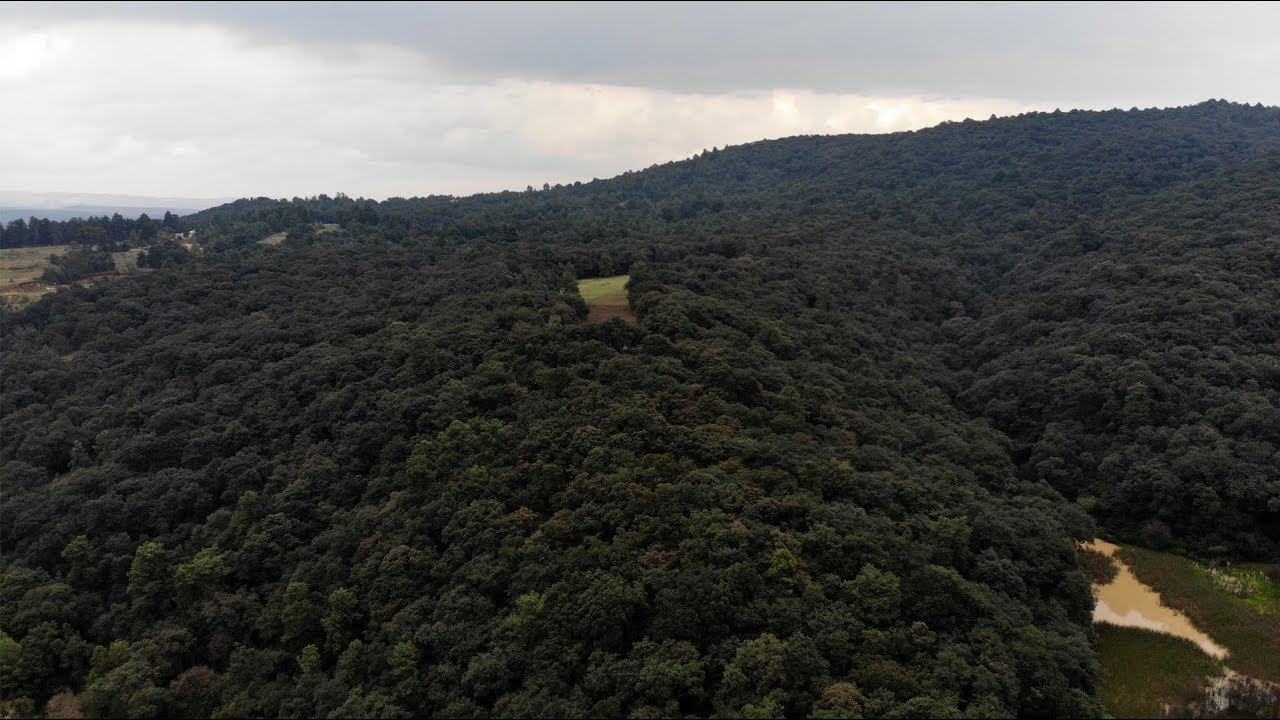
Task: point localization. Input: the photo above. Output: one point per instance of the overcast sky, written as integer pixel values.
(294, 99)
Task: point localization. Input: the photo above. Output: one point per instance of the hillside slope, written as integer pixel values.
(877, 388)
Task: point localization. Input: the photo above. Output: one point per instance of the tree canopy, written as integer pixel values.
(877, 389)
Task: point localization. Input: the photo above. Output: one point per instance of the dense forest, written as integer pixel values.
(108, 232)
(878, 388)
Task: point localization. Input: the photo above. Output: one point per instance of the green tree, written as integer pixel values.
(148, 572)
(309, 660)
(81, 560)
(753, 679)
(404, 661)
(877, 595)
(340, 621)
(350, 669)
(202, 574)
(11, 670)
(299, 616)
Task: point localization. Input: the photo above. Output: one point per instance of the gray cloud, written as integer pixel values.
(1072, 53)
(399, 99)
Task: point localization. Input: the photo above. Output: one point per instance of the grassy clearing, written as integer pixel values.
(127, 261)
(321, 229)
(19, 265)
(606, 288)
(1143, 670)
(1251, 635)
(606, 297)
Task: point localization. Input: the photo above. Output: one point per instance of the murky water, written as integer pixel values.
(1127, 602)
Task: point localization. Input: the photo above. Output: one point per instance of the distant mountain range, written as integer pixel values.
(64, 206)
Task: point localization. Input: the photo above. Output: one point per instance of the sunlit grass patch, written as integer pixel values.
(1254, 583)
(606, 297)
(594, 289)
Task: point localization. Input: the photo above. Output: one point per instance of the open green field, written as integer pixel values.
(1244, 626)
(19, 265)
(605, 288)
(1143, 670)
(606, 297)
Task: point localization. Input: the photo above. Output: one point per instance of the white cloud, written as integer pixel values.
(201, 110)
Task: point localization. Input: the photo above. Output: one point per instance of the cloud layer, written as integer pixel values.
(174, 103)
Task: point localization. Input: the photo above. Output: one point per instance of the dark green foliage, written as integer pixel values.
(164, 253)
(110, 234)
(391, 472)
(79, 261)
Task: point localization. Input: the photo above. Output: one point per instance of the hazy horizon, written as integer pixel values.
(62, 201)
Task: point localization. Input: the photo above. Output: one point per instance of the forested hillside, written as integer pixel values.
(877, 389)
